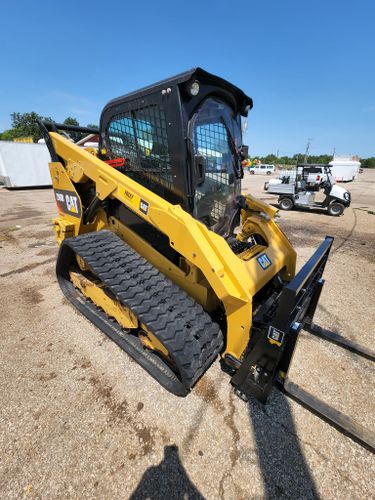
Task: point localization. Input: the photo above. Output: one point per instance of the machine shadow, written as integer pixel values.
(281, 460)
(167, 480)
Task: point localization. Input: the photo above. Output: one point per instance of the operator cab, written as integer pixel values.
(181, 138)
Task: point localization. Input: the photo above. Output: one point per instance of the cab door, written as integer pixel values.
(215, 138)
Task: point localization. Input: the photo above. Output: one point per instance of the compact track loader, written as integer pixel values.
(159, 249)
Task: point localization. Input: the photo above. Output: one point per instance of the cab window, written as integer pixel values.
(214, 134)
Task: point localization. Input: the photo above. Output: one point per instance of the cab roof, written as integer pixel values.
(199, 74)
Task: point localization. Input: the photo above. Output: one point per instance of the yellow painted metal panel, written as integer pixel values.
(233, 280)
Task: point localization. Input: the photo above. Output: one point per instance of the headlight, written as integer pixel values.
(347, 196)
(194, 88)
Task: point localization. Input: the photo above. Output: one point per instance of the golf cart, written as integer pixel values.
(300, 187)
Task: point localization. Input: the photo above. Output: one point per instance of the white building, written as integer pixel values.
(24, 164)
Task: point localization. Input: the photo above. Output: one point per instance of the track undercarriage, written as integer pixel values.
(150, 317)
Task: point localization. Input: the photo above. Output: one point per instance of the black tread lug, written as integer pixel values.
(187, 331)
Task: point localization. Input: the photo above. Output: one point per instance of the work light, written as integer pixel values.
(194, 89)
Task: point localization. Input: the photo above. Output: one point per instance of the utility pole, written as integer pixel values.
(334, 152)
(277, 154)
(307, 149)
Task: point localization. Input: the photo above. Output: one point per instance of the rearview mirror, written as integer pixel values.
(244, 152)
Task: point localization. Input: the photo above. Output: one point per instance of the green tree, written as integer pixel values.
(298, 157)
(319, 159)
(269, 159)
(26, 125)
(368, 162)
(92, 125)
(284, 160)
(76, 136)
(71, 121)
(7, 135)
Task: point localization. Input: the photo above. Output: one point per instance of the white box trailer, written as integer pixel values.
(24, 164)
(345, 168)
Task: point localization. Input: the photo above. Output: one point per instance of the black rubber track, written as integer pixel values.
(192, 339)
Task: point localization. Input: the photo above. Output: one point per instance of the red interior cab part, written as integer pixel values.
(116, 162)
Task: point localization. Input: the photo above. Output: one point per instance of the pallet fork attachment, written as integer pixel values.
(273, 344)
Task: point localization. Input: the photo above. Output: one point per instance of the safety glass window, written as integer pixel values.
(140, 136)
(215, 137)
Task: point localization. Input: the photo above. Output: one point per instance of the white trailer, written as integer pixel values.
(24, 164)
(345, 168)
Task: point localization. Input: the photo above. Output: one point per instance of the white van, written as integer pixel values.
(262, 169)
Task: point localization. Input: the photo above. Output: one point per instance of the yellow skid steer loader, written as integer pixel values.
(159, 249)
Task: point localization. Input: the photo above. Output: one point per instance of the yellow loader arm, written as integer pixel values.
(234, 279)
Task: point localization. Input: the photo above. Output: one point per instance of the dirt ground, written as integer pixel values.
(80, 419)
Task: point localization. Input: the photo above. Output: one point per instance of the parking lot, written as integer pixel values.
(79, 418)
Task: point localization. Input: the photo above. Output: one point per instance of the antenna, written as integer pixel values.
(307, 149)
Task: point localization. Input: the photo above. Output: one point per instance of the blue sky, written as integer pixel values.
(309, 66)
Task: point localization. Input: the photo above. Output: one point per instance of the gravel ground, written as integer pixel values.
(80, 419)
